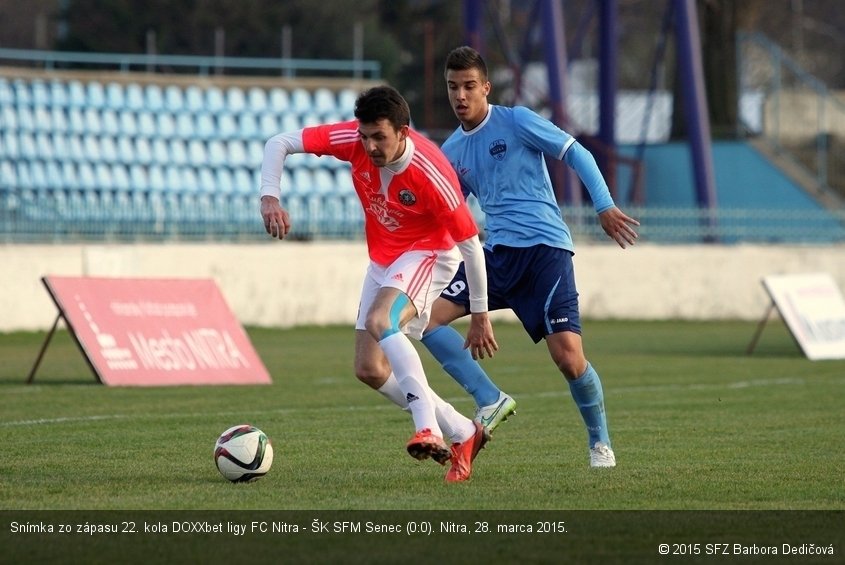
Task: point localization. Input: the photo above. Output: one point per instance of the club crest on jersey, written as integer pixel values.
(407, 197)
(498, 149)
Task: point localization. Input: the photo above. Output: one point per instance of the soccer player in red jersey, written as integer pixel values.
(418, 228)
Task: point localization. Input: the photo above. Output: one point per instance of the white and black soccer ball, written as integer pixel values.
(243, 453)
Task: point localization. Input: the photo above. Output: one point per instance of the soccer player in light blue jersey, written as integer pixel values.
(498, 153)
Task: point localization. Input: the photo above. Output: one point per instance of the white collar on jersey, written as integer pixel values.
(401, 163)
(480, 124)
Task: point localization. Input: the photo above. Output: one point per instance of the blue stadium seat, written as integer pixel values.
(279, 100)
(178, 151)
(44, 145)
(108, 149)
(77, 98)
(58, 141)
(346, 103)
(189, 179)
(161, 151)
(22, 93)
(58, 119)
(58, 94)
(302, 181)
(76, 120)
(38, 175)
(120, 177)
(174, 98)
(223, 180)
(324, 181)
(289, 122)
(115, 96)
(205, 177)
(194, 99)
(257, 100)
(153, 97)
(7, 95)
(26, 121)
(134, 97)
(143, 151)
(27, 147)
(255, 153)
(76, 148)
(248, 125)
(185, 125)
(146, 124)
(205, 127)
(235, 99)
(95, 95)
(86, 176)
(325, 103)
(8, 118)
(138, 178)
(237, 154)
(243, 183)
(70, 179)
(110, 122)
(91, 147)
(173, 178)
(166, 124)
(128, 123)
(214, 100)
(93, 125)
(227, 126)
(268, 125)
(102, 177)
(9, 148)
(40, 94)
(54, 175)
(217, 153)
(126, 150)
(197, 153)
(300, 101)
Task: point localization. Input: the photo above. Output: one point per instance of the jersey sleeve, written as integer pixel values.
(337, 139)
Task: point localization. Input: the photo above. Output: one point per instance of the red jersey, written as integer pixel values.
(422, 207)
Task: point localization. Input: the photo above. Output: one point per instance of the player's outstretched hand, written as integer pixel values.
(480, 339)
(618, 226)
(276, 218)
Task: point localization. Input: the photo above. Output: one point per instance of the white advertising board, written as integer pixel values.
(814, 311)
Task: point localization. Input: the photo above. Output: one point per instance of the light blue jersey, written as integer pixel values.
(501, 162)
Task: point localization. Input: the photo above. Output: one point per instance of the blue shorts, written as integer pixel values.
(537, 283)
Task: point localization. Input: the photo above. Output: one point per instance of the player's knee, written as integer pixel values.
(373, 375)
(380, 326)
(572, 366)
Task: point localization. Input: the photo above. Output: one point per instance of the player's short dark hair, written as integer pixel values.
(465, 58)
(382, 103)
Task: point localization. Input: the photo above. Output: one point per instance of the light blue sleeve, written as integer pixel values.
(584, 164)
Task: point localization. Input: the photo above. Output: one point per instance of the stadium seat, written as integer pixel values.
(115, 97)
(108, 149)
(302, 181)
(8, 118)
(268, 126)
(126, 150)
(7, 94)
(27, 147)
(324, 181)
(95, 95)
(255, 153)
(147, 124)
(70, 179)
(235, 100)
(43, 146)
(128, 123)
(217, 153)
(227, 126)
(40, 94)
(289, 122)
(346, 103)
(204, 126)
(242, 181)
(154, 98)
(134, 97)
(26, 121)
(138, 178)
(248, 125)
(76, 120)
(309, 119)
(166, 125)
(178, 151)
(54, 175)
(205, 177)
(77, 97)
(58, 120)
(324, 102)
(236, 153)
(194, 99)
(120, 177)
(8, 175)
(189, 179)
(86, 176)
(93, 125)
(173, 178)
(185, 125)
(174, 98)
(256, 100)
(110, 122)
(197, 153)
(214, 100)
(223, 180)
(102, 177)
(161, 151)
(300, 101)
(279, 100)
(21, 92)
(58, 94)
(91, 148)
(143, 151)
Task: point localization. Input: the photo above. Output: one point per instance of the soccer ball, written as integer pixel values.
(243, 453)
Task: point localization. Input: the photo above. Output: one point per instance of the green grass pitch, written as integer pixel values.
(696, 425)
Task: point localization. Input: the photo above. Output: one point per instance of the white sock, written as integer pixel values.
(410, 376)
(456, 427)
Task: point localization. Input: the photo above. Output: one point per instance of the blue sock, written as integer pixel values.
(589, 397)
(447, 346)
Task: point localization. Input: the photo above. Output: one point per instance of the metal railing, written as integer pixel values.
(202, 65)
(800, 118)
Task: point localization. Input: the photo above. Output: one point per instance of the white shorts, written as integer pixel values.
(422, 275)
